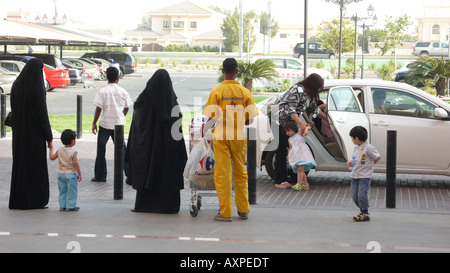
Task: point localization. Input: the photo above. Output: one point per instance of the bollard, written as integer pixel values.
(391, 166)
(118, 161)
(251, 165)
(3, 115)
(79, 116)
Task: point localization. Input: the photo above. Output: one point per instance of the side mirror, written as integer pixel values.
(440, 113)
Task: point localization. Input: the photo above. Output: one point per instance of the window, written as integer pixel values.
(436, 29)
(436, 45)
(178, 24)
(279, 63)
(283, 35)
(291, 64)
(193, 24)
(343, 99)
(399, 103)
(166, 24)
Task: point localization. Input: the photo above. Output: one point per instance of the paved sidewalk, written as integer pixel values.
(319, 220)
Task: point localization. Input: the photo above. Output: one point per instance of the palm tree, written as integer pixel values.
(260, 69)
(436, 69)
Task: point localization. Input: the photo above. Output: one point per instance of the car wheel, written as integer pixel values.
(424, 53)
(269, 163)
(332, 57)
(301, 56)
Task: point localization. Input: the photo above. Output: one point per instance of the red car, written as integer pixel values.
(56, 77)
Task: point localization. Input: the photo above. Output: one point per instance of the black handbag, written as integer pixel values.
(8, 120)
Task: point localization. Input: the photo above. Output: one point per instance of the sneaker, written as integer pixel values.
(98, 180)
(243, 215)
(362, 217)
(219, 217)
(74, 209)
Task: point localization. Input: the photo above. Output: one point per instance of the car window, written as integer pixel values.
(291, 64)
(444, 45)
(278, 62)
(422, 44)
(343, 99)
(435, 45)
(401, 103)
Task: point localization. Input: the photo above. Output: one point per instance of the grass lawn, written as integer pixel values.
(62, 122)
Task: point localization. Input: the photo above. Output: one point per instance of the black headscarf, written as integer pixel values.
(156, 159)
(30, 131)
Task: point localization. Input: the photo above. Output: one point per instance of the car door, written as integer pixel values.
(344, 113)
(422, 139)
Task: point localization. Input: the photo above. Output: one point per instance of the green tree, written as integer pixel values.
(436, 69)
(264, 25)
(230, 29)
(394, 33)
(328, 35)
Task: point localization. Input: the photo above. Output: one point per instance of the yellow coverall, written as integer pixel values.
(231, 105)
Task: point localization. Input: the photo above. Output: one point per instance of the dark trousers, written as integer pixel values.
(100, 161)
(281, 169)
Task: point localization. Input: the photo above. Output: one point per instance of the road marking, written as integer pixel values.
(221, 240)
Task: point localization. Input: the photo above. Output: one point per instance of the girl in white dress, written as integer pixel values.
(299, 156)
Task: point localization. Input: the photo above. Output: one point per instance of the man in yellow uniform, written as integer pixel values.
(231, 106)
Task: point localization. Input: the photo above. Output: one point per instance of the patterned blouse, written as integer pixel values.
(296, 101)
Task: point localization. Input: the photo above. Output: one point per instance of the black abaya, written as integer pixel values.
(156, 158)
(30, 131)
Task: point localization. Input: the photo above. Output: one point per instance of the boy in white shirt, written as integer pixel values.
(366, 156)
(112, 103)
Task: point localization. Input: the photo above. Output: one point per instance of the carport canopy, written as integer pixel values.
(22, 33)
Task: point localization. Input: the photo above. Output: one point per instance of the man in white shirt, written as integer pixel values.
(112, 103)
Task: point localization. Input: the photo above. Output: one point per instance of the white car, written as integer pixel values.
(421, 120)
(290, 68)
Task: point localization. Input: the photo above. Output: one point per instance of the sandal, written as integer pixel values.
(297, 187)
(305, 187)
(284, 185)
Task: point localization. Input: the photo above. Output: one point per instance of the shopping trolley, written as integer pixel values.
(88, 80)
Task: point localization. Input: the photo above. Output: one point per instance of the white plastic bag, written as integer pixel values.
(200, 164)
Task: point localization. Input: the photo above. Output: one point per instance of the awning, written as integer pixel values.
(21, 33)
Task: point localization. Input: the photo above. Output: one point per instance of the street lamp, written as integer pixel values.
(374, 22)
(342, 4)
(370, 13)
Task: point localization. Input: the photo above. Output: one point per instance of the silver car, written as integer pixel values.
(7, 78)
(421, 120)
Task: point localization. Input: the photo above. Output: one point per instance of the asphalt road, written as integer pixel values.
(192, 88)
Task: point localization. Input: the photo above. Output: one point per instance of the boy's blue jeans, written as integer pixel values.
(359, 189)
(103, 136)
(68, 190)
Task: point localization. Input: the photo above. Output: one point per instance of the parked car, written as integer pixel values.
(401, 73)
(56, 77)
(315, 51)
(125, 60)
(421, 120)
(49, 81)
(103, 65)
(289, 68)
(7, 79)
(431, 49)
(86, 67)
(47, 58)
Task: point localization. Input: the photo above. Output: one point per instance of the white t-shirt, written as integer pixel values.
(365, 155)
(112, 99)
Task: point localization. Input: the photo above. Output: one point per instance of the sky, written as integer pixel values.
(128, 14)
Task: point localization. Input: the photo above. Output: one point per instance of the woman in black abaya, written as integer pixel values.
(156, 152)
(30, 132)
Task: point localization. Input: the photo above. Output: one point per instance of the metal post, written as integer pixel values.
(340, 38)
(305, 41)
(3, 115)
(391, 166)
(251, 165)
(356, 34)
(79, 116)
(118, 161)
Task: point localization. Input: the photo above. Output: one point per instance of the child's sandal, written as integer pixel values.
(305, 187)
(297, 187)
